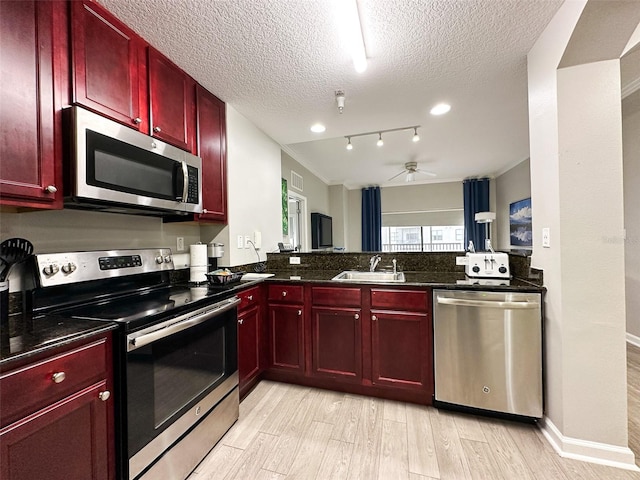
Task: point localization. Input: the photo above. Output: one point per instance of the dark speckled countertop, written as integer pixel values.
(447, 280)
(26, 336)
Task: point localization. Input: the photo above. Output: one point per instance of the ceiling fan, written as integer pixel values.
(411, 168)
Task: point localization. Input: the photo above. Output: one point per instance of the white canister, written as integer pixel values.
(216, 250)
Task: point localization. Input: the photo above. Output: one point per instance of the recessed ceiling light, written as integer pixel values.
(440, 109)
(318, 128)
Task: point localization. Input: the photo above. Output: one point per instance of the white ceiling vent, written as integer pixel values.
(297, 181)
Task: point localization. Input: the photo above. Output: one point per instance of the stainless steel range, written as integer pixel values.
(176, 367)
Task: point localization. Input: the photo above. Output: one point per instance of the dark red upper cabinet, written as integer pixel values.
(212, 148)
(33, 41)
(109, 71)
(172, 99)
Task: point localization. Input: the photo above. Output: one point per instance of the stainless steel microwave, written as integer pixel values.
(114, 168)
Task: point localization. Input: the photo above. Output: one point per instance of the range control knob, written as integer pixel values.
(69, 267)
(159, 259)
(476, 268)
(167, 259)
(502, 269)
(50, 270)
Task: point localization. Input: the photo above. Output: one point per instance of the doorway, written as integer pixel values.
(298, 222)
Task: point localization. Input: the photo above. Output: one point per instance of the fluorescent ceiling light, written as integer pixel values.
(440, 109)
(352, 33)
(318, 128)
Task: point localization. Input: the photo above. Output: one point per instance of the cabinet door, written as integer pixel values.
(112, 81)
(248, 345)
(30, 150)
(336, 343)
(212, 148)
(400, 349)
(67, 441)
(286, 338)
(172, 99)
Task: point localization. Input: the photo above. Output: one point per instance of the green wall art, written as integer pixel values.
(285, 208)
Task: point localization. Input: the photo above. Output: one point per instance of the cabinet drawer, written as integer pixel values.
(27, 389)
(330, 296)
(405, 300)
(286, 293)
(249, 298)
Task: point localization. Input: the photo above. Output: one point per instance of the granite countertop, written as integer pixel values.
(446, 280)
(27, 336)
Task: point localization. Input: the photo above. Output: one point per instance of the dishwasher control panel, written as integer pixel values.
(487, 265)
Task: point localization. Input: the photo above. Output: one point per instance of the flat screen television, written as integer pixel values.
(321, 231)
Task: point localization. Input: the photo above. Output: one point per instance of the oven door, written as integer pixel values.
(176, 372)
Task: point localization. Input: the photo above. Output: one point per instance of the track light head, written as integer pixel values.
(416, 137)
(349, 144)
(380, 142)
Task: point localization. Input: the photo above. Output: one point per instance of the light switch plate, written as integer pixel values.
(294, 260)
(180, 244)
(546, 237)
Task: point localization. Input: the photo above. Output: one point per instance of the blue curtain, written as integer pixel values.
(476, 199)
(371, 220)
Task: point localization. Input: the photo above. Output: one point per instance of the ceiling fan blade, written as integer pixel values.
(431, 174)
(396, 176)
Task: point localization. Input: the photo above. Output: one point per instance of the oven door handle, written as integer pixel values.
(140, 339)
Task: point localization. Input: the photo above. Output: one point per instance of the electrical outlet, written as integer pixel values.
(247, 240)
(180, 244)
(294, 260)
(240, 241)
(546, 238)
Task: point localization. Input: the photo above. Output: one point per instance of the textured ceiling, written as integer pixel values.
(278, 62)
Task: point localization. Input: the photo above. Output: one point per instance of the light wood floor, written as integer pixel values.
(633, 398)
(293, 432)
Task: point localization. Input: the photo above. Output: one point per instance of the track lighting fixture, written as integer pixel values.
(380, 142)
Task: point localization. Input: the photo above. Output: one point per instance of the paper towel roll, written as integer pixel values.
(197, 274)
(198, 255)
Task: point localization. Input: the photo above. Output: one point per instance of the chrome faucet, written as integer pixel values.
(373, 262)
(395, 266)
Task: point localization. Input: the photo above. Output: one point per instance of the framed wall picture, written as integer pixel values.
(520, 229)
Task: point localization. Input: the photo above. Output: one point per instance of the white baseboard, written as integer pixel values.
(587, 451)
(633, 340)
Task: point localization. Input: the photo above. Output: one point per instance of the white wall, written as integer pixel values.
(339, 210)
(254, 179)
(315, 190)
(511, 186)
(631, 151)
(576, 191)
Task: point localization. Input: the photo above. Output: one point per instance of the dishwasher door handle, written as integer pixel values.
(461, 302)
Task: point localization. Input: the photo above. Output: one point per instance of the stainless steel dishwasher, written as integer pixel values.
(488, 350)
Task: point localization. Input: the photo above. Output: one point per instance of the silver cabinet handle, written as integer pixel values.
(58, 377)
(299, 312)
(137, 120)
(157, 129)
(50, 189)
(374, 318)
(241, 321)
(104, 396)
(284, 294)
(250, 297)
(356, 316)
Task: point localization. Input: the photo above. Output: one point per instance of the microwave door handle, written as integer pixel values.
(185, 182)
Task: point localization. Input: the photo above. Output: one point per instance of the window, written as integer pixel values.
(448, 238)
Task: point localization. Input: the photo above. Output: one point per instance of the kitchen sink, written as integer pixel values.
(382, 277)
